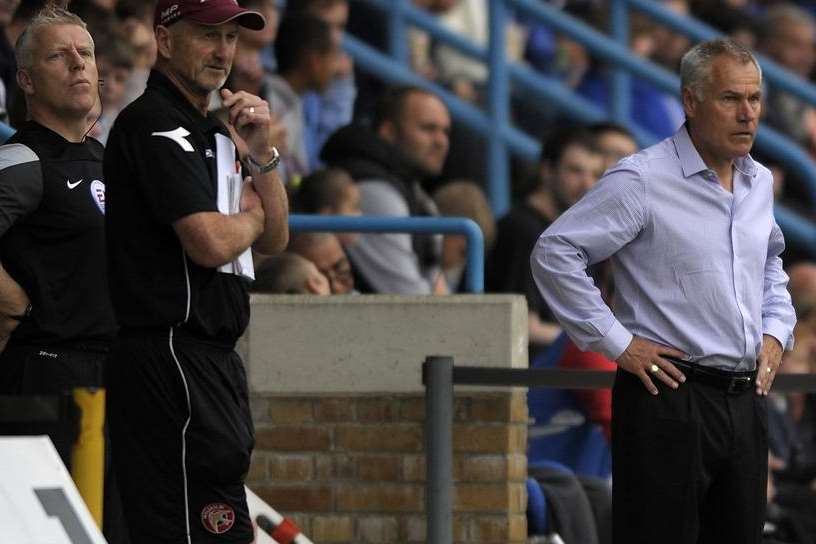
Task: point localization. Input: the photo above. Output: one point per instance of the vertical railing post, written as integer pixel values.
(398, 32)
(437, 372)
(498, 178)
(620, 82)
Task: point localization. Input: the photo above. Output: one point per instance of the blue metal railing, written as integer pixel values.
(474, 269)
(504, 138)
(618, 54)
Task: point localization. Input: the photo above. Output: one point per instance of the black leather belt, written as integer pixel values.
(732, 383)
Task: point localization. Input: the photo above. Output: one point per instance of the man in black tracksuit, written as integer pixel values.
(56, 319)
(180, 223)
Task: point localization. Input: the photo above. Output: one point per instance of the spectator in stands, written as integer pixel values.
(463, 199)
(329, 191)
(674, 218)
(115, 62)
(136, 27)
(100, 19)
(669, 46)
(325, 112)
(466, 76)
(307, 53)
(8, 66)
(788, 37)
(248, 72)
(569, 165)
(290, 274)
(409, 143)
(325, 251)
(614, 142)
(652, 109)
(792, 417)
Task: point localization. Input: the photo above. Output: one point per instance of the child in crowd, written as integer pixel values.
(288, 273)
(329, 192)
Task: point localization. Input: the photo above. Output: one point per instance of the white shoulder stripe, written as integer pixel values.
(14, 154)
(179, 136)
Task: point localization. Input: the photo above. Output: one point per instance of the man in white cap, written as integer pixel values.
(182, 216)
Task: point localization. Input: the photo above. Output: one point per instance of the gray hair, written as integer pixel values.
(695, 67)
(48, 16)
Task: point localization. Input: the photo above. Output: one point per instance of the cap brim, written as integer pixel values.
(223, 14)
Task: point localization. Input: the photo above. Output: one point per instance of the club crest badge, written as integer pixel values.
(98, 194)
(218, 518)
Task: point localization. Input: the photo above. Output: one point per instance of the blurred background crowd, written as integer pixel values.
(352, 145)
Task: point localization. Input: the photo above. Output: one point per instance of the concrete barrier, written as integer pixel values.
(337, 400)
(367, 344)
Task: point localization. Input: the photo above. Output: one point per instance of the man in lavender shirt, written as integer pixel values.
(702, 313)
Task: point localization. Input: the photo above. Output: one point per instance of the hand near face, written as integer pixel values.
(250, 117)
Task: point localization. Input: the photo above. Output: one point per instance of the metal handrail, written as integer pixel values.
(798, 230)
(768, 139)
(439, 375)
(777, 75)
(474, 270)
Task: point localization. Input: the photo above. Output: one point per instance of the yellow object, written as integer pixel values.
(88, 453)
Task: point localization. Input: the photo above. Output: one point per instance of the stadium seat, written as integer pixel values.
(559, 430)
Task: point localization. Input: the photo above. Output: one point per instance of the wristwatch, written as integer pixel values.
(23, 316)
(268, 167)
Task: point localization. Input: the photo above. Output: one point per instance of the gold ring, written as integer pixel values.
(252, 109)
(654, 369)
(768, 369)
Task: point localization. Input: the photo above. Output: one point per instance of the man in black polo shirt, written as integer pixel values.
(56, 317)
(180, 223)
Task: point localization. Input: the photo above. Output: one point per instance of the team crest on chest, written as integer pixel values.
(98, 194)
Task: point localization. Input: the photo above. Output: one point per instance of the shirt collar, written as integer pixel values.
(164, 86)
(692, 163)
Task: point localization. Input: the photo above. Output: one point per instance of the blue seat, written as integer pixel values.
(559, 430)
(6, 132)
(536, 509)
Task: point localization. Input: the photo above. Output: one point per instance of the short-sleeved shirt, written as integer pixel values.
(52, 236)
(160, 164)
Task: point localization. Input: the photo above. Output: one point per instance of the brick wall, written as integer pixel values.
(352, 468)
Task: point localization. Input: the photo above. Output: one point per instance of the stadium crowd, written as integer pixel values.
(350, 145)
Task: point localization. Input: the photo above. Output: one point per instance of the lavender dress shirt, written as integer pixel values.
(695, 267)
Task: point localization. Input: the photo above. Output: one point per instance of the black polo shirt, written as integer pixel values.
(52, 235)
(160, 166)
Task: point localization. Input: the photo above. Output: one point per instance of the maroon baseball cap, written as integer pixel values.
(206, 12)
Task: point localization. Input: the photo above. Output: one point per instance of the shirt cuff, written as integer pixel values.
(780, 331)
(614, 343)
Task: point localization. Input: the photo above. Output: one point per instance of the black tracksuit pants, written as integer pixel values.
(182, 436)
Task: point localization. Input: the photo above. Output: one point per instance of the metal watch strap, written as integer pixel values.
(268, 167)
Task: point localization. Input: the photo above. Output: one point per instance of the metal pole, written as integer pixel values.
(398, 32)
(499, 100)
(474, 278)
(438, 378)
(620, 81)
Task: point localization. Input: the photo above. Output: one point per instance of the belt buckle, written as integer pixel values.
(739, 384)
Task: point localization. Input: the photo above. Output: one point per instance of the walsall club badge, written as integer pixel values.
(218, 518)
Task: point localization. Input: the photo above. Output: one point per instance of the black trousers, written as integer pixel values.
(689, 466)
(51, 371)
(182, 436)
(57, 370)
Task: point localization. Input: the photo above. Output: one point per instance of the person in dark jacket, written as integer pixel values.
(409, 142)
